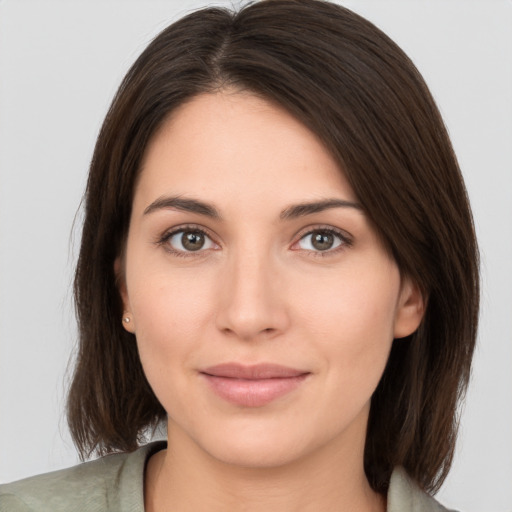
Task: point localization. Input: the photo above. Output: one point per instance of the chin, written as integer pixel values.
(257, 455)
(265, 445)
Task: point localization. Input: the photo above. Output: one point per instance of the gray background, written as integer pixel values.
(60, 64)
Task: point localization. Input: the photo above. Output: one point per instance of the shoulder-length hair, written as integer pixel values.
(362, 96)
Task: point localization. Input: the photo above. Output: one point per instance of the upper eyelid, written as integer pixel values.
(346, 240)
(164, 237)
(344, 235)
(302, 232)
(191, 227)
(308, 230)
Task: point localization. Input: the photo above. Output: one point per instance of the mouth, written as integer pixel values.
(253, 385)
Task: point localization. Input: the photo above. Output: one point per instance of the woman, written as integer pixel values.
(278, 260)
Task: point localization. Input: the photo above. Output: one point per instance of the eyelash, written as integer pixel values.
(162, 241)
(344, 238)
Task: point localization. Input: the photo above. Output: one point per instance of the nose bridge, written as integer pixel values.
(252, 299)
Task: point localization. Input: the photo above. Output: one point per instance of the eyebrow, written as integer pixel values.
(184, 204)
(303, 209)
(208, 210)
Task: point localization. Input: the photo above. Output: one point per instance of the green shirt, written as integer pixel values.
(115, 483)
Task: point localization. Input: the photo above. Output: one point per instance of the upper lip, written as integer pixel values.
(253, 372)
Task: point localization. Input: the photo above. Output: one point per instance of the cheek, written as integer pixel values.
(351, 318)
(165, 297)
(170, 312)
(352, 302)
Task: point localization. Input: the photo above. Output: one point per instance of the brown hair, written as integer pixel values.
(352, 86)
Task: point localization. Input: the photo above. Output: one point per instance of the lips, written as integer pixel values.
(258, 371)
(254, 385)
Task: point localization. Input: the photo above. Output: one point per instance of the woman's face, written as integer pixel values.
(247, 248)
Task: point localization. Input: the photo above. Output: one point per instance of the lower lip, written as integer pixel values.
(253, 392)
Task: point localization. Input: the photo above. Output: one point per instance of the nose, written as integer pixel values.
(252, 302)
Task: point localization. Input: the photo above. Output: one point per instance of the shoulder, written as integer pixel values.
(98, 485)
(404, 495)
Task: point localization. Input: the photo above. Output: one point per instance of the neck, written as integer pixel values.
(184, 478)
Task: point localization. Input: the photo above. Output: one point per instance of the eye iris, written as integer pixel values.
(192, 241)
(322, 240)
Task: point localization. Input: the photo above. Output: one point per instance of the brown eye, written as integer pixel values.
(190, 240)
(321, 240)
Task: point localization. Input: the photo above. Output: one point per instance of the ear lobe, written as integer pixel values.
(127, 319)
(410, 310)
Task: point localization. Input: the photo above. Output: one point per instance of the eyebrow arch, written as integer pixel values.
(303, 209)
(208, 210)
(184, 204)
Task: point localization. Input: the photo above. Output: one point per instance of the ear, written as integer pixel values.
(410, 309)
(127, 320)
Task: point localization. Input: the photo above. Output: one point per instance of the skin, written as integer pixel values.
(258, 291)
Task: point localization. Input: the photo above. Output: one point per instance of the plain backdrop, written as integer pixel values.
(60, 64)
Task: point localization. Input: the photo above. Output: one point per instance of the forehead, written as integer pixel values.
(238, 146)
